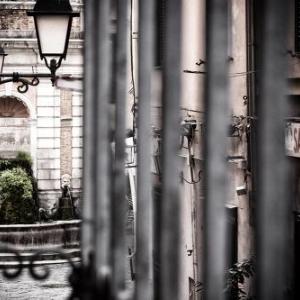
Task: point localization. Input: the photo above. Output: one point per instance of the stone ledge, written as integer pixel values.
(32, 43)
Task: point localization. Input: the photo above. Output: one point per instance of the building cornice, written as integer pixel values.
(32, 43)
(76, 5)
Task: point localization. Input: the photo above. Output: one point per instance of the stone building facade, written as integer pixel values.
(193, 108)
(45, 121)
(193, 66)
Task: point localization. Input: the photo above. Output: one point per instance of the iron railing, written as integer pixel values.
(102, 272)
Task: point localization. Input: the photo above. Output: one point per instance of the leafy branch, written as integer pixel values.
(235, 278)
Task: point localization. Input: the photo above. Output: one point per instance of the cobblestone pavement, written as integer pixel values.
(55, 287)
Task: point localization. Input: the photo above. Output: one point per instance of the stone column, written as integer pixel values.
(66, 133)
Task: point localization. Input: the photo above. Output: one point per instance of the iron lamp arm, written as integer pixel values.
(25, 79)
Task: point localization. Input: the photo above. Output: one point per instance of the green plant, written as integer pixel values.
(24, 161)
(235, 278)
(17, 205)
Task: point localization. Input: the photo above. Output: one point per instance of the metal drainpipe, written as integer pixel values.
(251, 88)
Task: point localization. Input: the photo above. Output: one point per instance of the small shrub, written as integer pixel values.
(22, 160)
(16, 197)
(235, 279)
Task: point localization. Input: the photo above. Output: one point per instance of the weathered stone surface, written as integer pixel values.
(11, 122)
(48, 143)
(49, 184)
(48, 121)
(77, 173)
(66, 132)
(48, 163)
(76, 183)
(76, 152)
(77, 162)
(48, 153)
(44, 174)
(77, 142)
(66, 151)
(14, 139)
(77, 121)
(16, 20)
(77, 132)
(77, 111)
(77, 100)
(48, 111)
(47, 101)
(48, 132)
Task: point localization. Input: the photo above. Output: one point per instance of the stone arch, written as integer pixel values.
(12, 107)
(22, 98)
(16, 126)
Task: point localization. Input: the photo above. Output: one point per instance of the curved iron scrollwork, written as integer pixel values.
(25, 79)
(83, 280)
(23, 87)
(12, 272)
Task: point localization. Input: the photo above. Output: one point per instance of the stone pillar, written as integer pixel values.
(66, 133)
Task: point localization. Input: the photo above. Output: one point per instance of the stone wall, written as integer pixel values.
(77, 141)
(59, 142)
(14, 21)
(54, 125)
(66, 133)
(48, 142)
(15, 136)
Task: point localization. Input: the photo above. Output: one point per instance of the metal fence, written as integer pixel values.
(102, 272)
(104, 189)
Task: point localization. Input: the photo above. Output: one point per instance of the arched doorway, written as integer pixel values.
(14, 127)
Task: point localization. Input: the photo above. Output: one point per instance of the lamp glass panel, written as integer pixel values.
(52, 33)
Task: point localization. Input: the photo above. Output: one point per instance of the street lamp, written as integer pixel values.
(53, 22)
